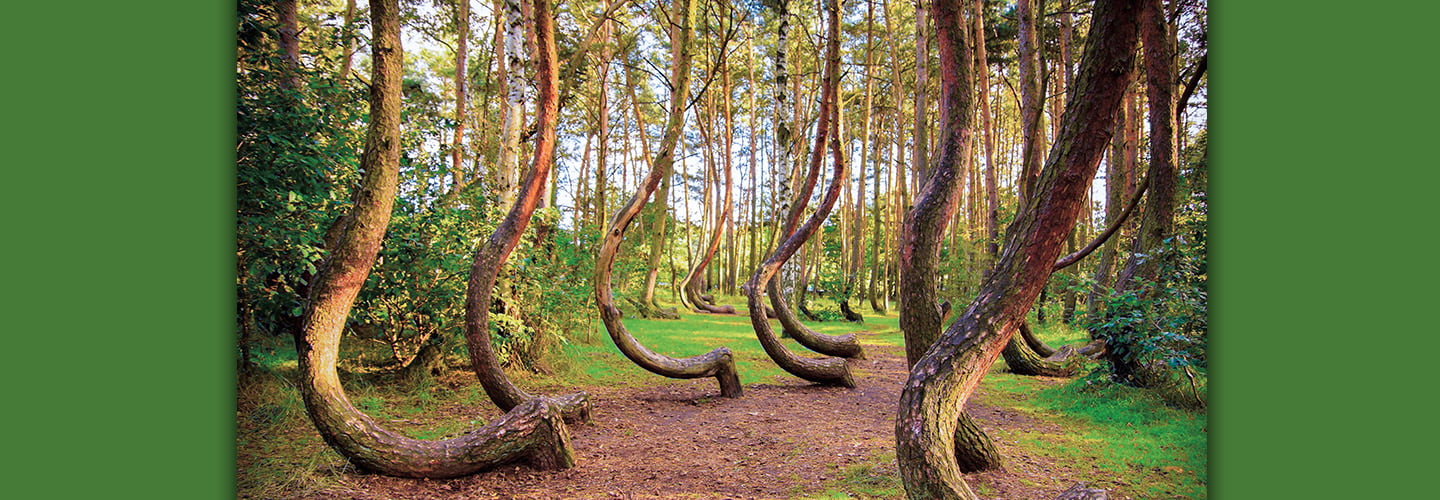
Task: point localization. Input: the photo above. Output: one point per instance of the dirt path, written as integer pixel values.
(679, 440)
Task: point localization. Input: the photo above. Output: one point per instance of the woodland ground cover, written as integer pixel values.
(1053, 432)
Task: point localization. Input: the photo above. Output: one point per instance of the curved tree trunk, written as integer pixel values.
(718, 363)
(534, 430)
(1023, 354)
(825, 370)
(921, 317)
(944, 377)
(492, 255)
(694, 280)
(831, 345)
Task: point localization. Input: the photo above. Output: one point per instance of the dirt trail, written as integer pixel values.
(680, 440)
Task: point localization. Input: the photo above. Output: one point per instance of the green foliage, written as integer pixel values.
(296, 157)
(1164, 320)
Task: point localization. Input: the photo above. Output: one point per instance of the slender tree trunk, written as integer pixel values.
(846, 345)
(945, 376)
(348, 54)
(287, 12)
(516, 90)
(457, 147)
(534, 430)
(1158, 220)
(920, 160)
(659, 211)
(719, 363)
(693, 281)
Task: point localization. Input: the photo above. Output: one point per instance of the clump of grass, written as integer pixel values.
(876, 477)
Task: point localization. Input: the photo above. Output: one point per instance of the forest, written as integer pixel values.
(715, 249)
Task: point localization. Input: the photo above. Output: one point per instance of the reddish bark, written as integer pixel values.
(718, 363)
(491, 256)
(825, 370)
(945, 376)
(534, 430)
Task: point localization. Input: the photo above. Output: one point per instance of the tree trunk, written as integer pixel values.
(693, 280)
(924, 226)
(1122, 162)
(825, 370)
(491, 256)
(1027, 355)
(1031, 101)
(516, 89)
(833, 345)
(457, 148)
(289, 18)
(534, 430)
(719, 363)
(944, 377)
(1158, 221)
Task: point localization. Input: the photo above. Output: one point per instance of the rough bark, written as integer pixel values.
(1031, 101)
(535, 430)
(719, 363)
(1123, 157)
(1158, 220)
(825, 370)
(457, 147)
(491, 256)
(287, 13)
(846, 345)
(1026, 355)
(516, 88)
(921, 316)
(943, 379)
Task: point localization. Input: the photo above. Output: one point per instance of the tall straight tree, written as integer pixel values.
(535, 429)
(1158, 220)
(516, 89)
(949, 371)
(457, 147)
(719, 363)
(1031, 101)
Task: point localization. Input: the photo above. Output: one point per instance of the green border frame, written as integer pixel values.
(118, 247)
(119, 244)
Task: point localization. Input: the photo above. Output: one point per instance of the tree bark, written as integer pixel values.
(1031, 101)
(693, 280)
(825, 370)
(516, 89)
(1158, 220)
(534, 430)
(943, 379)
(491, 256)
(1026, 355)
(719, 363)
(457, 147)
(924, 226)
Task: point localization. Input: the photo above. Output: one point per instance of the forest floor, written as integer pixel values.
(784, 438)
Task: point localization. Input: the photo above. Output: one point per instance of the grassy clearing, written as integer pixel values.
(596, 361)
(1129, 440)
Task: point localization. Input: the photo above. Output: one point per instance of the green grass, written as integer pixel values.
(1150, 449)
(1130, 440)
(876, 477)
(598, 361)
